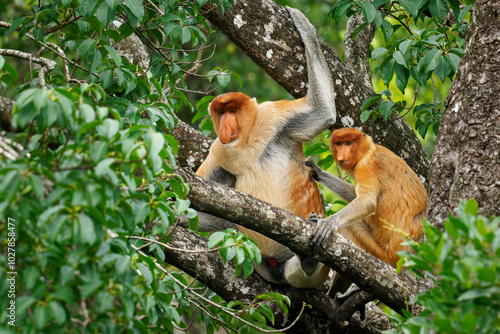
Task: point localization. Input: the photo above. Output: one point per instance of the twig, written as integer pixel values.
(173, 248)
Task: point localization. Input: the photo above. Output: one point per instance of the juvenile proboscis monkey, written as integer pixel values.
(259, 151)
(390, 198)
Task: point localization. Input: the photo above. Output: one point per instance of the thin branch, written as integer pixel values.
(47, 64)
(408, 108)
(173, 248)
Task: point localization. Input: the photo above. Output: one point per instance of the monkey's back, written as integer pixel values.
(401, 203)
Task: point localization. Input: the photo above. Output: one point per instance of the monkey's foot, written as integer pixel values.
(353, 300)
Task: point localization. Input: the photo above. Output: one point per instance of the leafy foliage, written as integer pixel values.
(432, 44)
(88, 185)
(463, 264)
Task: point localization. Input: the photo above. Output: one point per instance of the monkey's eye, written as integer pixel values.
(232, 111)
(338, 143)
(347, 143)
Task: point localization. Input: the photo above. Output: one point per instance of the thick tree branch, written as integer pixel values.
(366, 271)
(265, 32)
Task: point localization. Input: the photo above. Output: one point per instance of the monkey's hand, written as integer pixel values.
(323, 229)
(315, 169)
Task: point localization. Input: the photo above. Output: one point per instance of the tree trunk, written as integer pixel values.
(466, 161)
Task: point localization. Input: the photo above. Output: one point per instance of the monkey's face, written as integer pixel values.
(232, 116)
(344, 143)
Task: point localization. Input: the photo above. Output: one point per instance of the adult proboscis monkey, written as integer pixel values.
(259, 151)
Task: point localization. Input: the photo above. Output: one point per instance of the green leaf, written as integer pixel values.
(87, 112)
(438, 8)
(23, 303)
(430, 61)
(105, 14)
(443, 69)
(37, 185)
(87, 232)
(136, 8)
(106, 78)
(103, 166)
(471, 207)
(87, 47)
(464, 12)
(98, 151)
(90, 287)
(469, 323)
(405, 45)
(146, 272)
(386, 109)
(402, 76)
(479, 293)
(223, 79)
(215, 239)
(58, 312)
(341, 9)
(388, 72)
(185, 35)
(40, 316)
(108, 128)
(369, 11)
(122, 264)
(374, 99)
(141, 210)
(88, 8)
(365, 115)
(454, 61)
(379, 52)
(155, 142)
(387, 30)
(398, 57)
(247, 267)
(114, 55)
(410, 7)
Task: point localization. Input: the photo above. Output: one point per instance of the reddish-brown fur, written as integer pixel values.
(382, 176)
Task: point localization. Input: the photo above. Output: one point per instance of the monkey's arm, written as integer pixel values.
(342, 188)
(362, 206)
(319, 111)
(210, 169)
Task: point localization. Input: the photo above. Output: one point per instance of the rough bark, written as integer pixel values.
(368, 272)
(357, 50)
(193, 145)
(5, 109)
(265, 32)
(466, 161)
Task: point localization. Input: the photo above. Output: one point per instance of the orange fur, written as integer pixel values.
(384, 179)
